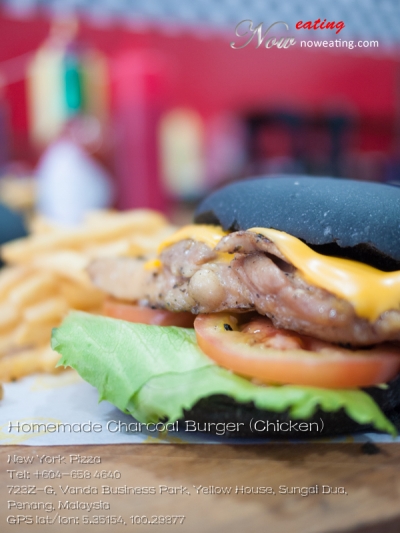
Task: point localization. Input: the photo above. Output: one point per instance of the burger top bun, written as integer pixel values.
(354, 219)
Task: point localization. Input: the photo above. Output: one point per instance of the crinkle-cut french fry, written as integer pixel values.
(93, 217)
(50, 311)
(40, 225)
(27, 333)
(79, 297)
(112, 249)
(68, 264)
(10, 277)
(140, 220)
(150, 243)
(9, 316)
(133, 246)
(6, 343)
(35, 288)
(97, 310)
(49, 359)
(136, 250)
(49, 277)
(103, 217)
(28, 361)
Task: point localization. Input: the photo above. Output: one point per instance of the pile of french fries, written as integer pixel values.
(46, 276)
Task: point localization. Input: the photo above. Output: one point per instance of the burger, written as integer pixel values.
(294, 287)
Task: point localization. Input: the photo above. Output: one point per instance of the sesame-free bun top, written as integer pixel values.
(356, 219)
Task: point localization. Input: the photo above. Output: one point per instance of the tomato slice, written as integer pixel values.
(146, 315)
(258, 350)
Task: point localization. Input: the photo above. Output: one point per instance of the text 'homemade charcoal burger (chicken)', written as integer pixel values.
(295, 285)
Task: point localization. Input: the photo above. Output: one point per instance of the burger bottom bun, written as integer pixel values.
(223, 416)
(216, 414)
(388, 396)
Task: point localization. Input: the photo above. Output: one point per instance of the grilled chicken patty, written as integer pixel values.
(195, 278)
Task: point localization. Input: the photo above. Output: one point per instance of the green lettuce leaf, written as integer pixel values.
(154, 372)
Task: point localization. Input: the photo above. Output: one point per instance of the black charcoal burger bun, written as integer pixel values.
(354, 219)
(347, 218)
(223, 409)
(213, 410)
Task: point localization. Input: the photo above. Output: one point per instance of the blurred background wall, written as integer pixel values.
(146, 103)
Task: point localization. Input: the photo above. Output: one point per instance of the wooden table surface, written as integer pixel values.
(371, 481)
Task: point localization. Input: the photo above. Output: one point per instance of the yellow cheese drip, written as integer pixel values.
(210, 235)
(369, 290)
(152, 264)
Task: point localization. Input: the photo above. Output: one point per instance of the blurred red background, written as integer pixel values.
(308, 105)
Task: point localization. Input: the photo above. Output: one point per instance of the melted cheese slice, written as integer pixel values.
(153, 264)
(369, 290)
(210, 235)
